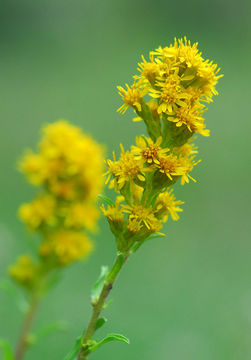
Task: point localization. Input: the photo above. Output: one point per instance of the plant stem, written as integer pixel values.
(98, 306)
(22, 343)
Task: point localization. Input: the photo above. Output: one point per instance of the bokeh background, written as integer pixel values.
(185, 297)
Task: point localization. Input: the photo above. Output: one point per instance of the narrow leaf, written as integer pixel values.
(101, 321)
(106, 199)
(74, 352)
(6, 350)
(97, 287)
(109, 338)
(106, 305)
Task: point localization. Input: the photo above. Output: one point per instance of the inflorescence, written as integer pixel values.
(169, 95)
(68, 168)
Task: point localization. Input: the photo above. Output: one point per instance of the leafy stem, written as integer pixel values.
(99, 304)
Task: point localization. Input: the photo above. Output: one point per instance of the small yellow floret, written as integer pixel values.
(141, 216)
(167, 204)
(131, 96)
(149, 151)
(126, 169)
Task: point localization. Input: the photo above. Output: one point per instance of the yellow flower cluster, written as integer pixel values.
(68, 167)
(177, 82)
(68, 163)
(25, 271)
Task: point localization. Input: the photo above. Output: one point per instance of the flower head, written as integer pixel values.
(171, 166)
(142, 217)
(148, 151)
(131, 96)
(167, 204)
(126, 169)
(189, 116)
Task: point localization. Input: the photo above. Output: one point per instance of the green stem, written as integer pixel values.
(22, 343)
(98, 306)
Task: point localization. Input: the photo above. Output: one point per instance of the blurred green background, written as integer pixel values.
(187, 297)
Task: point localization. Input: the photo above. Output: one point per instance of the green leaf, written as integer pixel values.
(109, 338)
(6, 350)
(98, 286)
(74, 352)
(106, 199)
(107, 304)
(101, 321)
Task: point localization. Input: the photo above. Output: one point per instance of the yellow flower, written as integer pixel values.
(148, 70)
(188, 164)
(167, 204)
(171, 166)
(39, 212)
(179, 81)
(141, 217)
(34, 167)
(131, 96)
(114, 213)
(208, 77)
(68, 163)
(149, 151)
(66, 246)
(81, 215)
(186, 150)
(190, 117)
(170, 93)
(126, 169)
(24, 271)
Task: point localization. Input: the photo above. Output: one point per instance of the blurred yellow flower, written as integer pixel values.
(24, 271)
(66, 246)
(68, 166)
(39, 212)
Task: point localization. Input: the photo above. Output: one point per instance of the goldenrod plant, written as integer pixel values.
(169, 94)
(67, 169)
